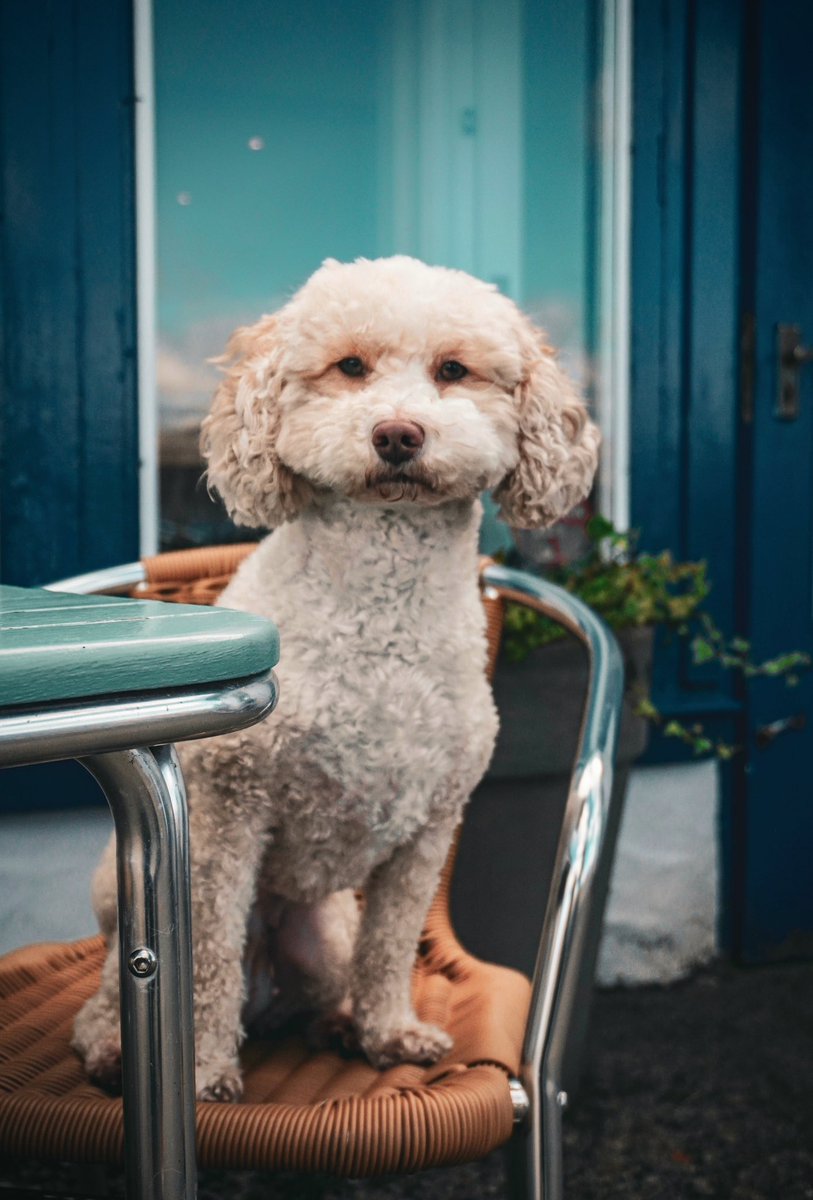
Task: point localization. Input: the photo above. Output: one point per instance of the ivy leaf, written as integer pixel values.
(599, 528)
(645, 708)
(628, 590)
(702, 651)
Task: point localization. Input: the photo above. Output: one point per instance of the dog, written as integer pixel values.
(360, 423)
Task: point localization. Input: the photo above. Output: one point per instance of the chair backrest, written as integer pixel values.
(198, 576)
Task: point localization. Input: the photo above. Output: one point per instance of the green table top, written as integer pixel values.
(55, 646)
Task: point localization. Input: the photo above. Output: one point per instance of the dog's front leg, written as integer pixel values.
(97, 1033)
(398, 895)
(225, 861)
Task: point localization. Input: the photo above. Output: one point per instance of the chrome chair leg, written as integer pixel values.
(523, 1154)
(146, 793)
(523, 1161)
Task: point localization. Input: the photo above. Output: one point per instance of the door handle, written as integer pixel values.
(791, 356)
(766, 733)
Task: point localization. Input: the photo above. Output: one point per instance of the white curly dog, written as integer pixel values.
(360, 423)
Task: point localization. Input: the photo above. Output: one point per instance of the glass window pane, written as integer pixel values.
(459, 131)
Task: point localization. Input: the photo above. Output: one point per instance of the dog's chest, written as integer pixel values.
(375, 723)
(370, 754)
(385, 718)
(338, 843)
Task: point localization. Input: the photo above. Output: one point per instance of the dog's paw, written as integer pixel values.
(334, 1031)
(416, 1043)
(103, 1065)
(96, 1039)
(222, 1084)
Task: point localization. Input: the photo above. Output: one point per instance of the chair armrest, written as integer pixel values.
(579, 850)
(109, 580)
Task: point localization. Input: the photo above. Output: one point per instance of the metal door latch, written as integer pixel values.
(791, 356)
(766, 733)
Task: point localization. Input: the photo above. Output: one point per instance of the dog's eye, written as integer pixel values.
(452, 370)
(352, 366)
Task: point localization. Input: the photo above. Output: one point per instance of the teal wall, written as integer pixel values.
(556, 142)
(297, 76)
(312, 80)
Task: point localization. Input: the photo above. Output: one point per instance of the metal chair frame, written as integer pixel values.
(147, 796)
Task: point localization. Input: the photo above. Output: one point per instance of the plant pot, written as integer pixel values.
(540, 703)
(510, 835)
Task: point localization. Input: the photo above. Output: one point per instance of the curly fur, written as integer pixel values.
(239, 435)
(385, 722)
(558, 445)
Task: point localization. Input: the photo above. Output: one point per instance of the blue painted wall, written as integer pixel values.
(68, 412)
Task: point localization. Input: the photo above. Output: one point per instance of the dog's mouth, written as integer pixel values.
(393, 484)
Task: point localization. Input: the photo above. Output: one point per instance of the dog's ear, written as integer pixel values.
(558, 443)
(238, 438)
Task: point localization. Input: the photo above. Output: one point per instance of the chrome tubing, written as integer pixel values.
(106, 724)
(146, 793)
(109, 580)
(580, 846)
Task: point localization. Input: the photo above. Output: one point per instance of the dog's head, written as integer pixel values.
(391, 382)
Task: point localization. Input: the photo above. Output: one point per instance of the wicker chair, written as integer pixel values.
(310, 1111)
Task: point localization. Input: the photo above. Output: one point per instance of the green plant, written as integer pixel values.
(630, 589)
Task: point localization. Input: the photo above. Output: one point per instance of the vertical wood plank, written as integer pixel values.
(712, 327)
(658, 222)
(685, 306)
(661, 53)
(68, 408)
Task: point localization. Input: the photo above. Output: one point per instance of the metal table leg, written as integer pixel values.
(146, 793)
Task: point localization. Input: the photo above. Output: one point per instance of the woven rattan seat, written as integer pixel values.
(302, 1109)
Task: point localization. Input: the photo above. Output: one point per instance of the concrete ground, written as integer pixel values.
(703, 1088)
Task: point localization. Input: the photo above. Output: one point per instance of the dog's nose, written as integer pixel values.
(397, 441)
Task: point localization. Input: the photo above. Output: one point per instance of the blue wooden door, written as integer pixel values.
(722, 253)
(776, 517)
